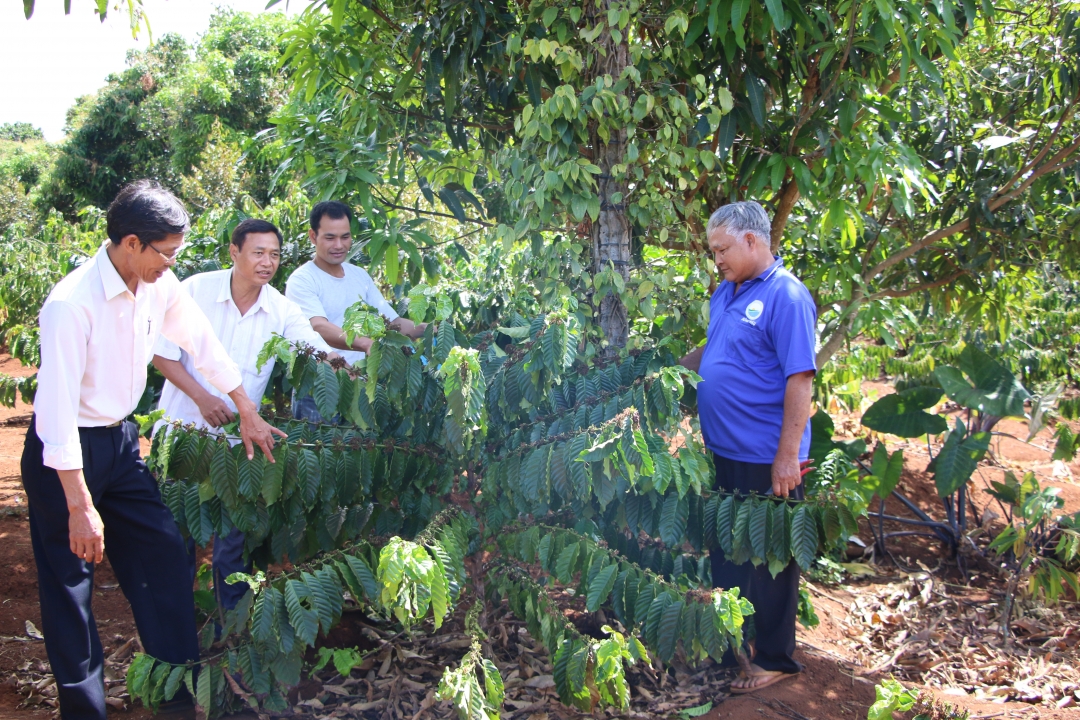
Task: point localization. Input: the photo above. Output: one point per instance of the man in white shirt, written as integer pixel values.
(244, 311)
(327, 285)
(82, 472)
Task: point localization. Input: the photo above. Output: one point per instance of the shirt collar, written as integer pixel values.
(225, 295)
(111, 281)
(778, 262)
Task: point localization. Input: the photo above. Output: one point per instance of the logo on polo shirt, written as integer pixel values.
(754, 309)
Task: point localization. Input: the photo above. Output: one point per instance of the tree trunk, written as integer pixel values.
(611, 230)
(788, 196)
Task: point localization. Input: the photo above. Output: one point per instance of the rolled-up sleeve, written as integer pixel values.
(65, 333)
(371, 295)
(187, 326)
(167, 348)
(298, 328)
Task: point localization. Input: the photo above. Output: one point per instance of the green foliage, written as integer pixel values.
(264, 639)
(20, 132)
(184, 115)
(892, 697)
(988, 391)
(344, 659)
(885, 471)
(360, 321)
(475, 688)
(1067, 445)
(958, 457)
(1040, 545)
(805, 611)
(904, 413)
(463, 386)
(989, 388)
(559, 440)
(30, 267)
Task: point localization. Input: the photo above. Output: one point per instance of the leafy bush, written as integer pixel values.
(483, 475)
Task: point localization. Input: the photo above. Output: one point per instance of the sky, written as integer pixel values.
(51, 59)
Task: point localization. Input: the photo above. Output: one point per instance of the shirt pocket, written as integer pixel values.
(750, 345)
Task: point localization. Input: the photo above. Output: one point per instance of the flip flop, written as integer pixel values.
(770, 678)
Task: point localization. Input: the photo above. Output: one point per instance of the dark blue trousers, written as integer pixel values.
(228, 559)
(775, 600)
(145, 550)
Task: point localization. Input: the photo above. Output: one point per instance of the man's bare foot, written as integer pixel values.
(755, 678)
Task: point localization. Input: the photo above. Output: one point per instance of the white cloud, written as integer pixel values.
(52, 59)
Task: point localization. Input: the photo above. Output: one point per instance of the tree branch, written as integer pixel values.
(998, 199)
(905, 292)
(418, 211)
(788, 196)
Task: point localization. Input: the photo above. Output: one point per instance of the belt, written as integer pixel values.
(110, 426)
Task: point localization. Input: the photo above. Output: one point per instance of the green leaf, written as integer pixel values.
(439, 586)
(274, 473)
(886, 471)
(304, 620)
(740, 540)
(779, 554)
(891, 697)
(600, 587)
(758, 529)
(204, 691)
(250, 474)
(992, 388)
(755, 95)
(673, 519)
(739, 9)
(709, 634)
(652, 618)
(326, 390)
(368, 586)
(262, 620)
(138, 674)
(902, 413)
(567, 562)
(668, 631)
(172, 684)
(776, 12)
(958, 458)
(804, 537)
(699, 710)
(725, 524)
(493, 684)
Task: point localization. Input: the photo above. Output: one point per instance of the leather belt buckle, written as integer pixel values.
(115, 424)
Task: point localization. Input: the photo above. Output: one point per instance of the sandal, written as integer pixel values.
(760, 679)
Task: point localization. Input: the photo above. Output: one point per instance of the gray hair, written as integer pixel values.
(741, 217)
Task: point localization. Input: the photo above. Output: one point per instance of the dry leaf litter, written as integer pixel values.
(948, 637)
(399, 676)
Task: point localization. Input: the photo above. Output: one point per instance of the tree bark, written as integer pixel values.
(611, 230)
(787, 197)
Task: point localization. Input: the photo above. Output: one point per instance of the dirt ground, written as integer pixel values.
(838, 655)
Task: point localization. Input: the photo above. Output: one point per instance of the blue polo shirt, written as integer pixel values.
(757, 339)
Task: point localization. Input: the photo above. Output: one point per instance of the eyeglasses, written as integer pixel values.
(171, 258)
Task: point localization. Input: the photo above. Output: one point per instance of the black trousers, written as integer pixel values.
(775, 600)
(144, 547)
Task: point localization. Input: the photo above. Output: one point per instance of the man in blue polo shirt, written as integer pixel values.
(757, 368)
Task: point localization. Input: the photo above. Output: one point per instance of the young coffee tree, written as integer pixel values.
(469, 471)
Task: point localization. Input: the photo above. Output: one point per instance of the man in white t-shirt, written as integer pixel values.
(328, 285)
(244, 311)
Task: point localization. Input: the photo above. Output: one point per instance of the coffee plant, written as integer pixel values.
(472, 470)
